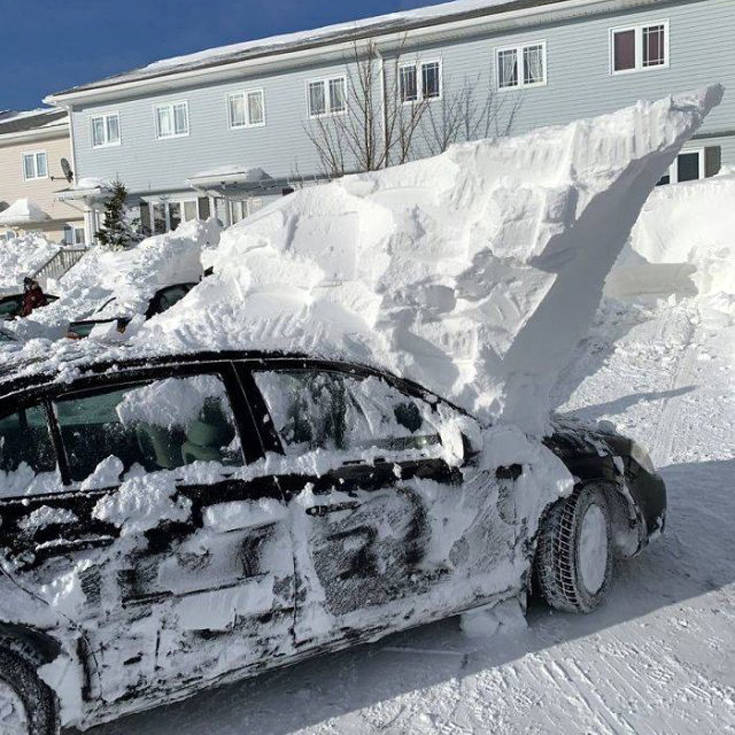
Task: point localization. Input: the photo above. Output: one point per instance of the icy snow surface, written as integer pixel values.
(656, 659)
(21, 212)
(474, 273)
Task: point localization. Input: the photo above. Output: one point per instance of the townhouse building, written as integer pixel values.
(224, 130)
(33, 145)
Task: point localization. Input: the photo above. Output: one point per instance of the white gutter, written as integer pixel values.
(225, 69)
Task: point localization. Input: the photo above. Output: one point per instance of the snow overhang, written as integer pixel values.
(334, 43)
(228, 179)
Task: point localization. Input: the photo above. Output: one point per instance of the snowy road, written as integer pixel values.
(658, 657)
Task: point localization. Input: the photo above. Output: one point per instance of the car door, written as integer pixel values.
(180, 564)
(370, 487)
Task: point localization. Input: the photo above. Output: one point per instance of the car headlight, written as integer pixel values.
(641, 456)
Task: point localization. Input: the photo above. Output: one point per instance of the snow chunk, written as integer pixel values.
(23, 212)
(143, 503)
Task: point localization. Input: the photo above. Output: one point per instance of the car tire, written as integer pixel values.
(574, 557)
(38, 703)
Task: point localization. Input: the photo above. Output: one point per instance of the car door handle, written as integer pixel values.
(322, 510)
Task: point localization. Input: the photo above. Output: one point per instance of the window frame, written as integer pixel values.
(325, 83)
(673, 170)
(244, 95)
(521, 65)
(251, 450)
(34, 154)
(418, 67)
(104, 117)
(171, 106)
(638, 29)
(165, 203)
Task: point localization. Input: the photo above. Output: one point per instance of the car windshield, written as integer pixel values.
(9, 306)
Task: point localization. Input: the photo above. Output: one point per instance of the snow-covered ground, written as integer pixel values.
(658, 656)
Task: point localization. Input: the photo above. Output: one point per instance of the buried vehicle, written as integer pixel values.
(11, 305)
(107, 315)
(174, 524)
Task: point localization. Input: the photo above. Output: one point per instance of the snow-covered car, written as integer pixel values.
(162, 300)
(175, 523)
(11, 305)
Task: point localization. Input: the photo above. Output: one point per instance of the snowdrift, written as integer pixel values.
(682, 246)
(21, 257)
(475, 272)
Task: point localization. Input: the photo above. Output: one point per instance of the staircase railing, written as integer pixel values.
(58, 264)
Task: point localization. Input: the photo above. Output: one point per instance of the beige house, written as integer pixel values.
(32, 147)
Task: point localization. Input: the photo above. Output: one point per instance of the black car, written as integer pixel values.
(177, 523)
(11, 305)
(162, 300)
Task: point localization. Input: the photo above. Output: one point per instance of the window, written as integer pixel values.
(688, 166)
(327, 97)
(329, 410)
(156, 426)
(420, 81)
(247, 109)
(636, 48)
(165, 216)
(35, 165)
(172, 121)
(105, 130)
(73, 235)
(25, 450)
(521, 66)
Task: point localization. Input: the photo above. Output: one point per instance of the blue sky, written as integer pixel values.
(56, 44)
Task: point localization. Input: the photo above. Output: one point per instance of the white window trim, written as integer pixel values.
(324, 81)
(244, 94)
(674, 168)
(518, 48)
(638, 29)
(420, 80)
(104, 116)
(180, 200)
(35, 177)
(171, 105)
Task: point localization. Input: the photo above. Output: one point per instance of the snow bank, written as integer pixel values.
(682, 246)
(475, 272)
(21, 257)
(23, 212)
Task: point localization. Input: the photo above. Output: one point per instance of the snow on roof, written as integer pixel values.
(392, 22)
(28, 120)
(23, 212)
(231, 173)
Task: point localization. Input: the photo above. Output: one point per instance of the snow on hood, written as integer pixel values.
(474, 272)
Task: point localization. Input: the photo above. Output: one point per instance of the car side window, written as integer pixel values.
(160, 425)
(9, 307)
(334, 411)
(26, 450)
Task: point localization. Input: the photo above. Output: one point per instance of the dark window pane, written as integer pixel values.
(431, 79)
(156, 426)
(25, 440)
(174, 215)
(508, 68)
(145, 219)
(203, 207)
(409, 88)
(687, 167)
(624, 50)
(666, 179)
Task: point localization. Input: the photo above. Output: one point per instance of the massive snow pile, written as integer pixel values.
(21, 257)
(475, 272)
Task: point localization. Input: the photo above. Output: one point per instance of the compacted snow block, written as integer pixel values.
(474, 272)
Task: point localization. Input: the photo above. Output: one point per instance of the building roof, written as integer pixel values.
(23, 212)
(44, 118)
(463, 11)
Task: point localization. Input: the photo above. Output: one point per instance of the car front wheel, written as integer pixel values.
(574, 557)
(27, 705)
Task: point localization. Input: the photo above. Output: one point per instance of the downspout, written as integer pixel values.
(384, 105)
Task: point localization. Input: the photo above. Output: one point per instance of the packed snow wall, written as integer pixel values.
(474, 272)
